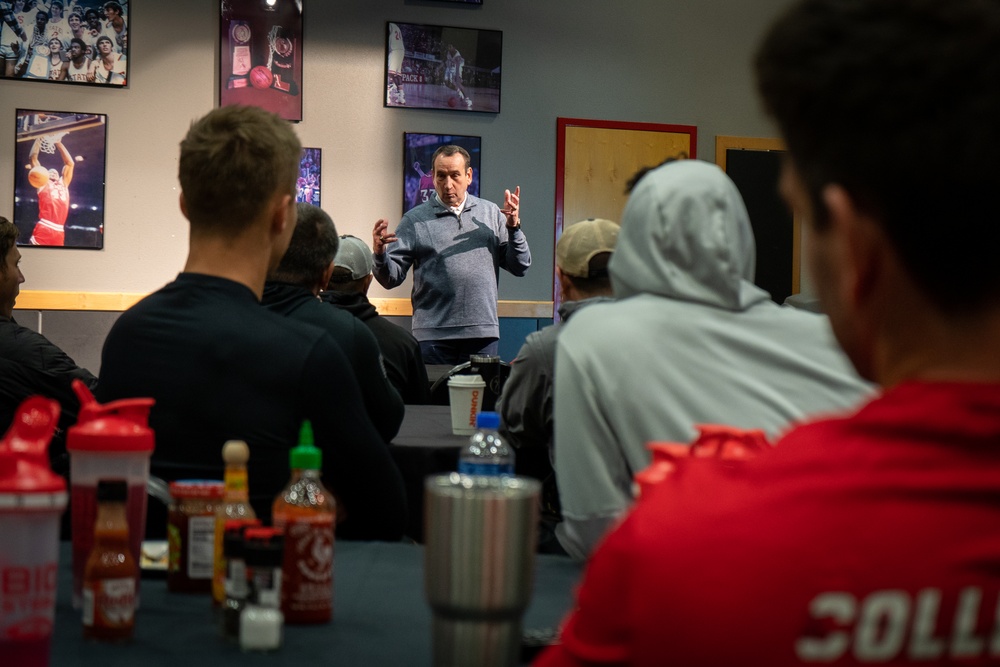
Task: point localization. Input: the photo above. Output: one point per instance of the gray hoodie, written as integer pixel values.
(690, 340)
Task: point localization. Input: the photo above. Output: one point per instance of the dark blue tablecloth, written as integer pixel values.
(380, 618)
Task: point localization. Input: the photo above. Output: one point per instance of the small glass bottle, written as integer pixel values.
(261, 620)
(235, 505)
(110, 574)
(237, 590)
(487, 453)
(306, 512)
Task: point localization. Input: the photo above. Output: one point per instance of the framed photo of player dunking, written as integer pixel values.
(59, 178)
(418, 172)
(440, 67)
(65, 41)
(307, 186)
(261, 55)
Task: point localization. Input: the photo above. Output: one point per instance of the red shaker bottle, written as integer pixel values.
(110, 441)
(32, 498)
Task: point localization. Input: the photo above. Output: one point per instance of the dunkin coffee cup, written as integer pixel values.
(465, 395)
(479, 564)
(32, 498)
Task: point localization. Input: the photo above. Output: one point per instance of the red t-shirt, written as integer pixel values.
(867, 539)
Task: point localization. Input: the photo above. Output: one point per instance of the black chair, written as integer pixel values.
(439, 389)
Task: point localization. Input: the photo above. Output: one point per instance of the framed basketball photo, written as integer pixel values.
(418, 172)
(307, 186)
(261, 55)
(82, 42)
(440, 67)
(59, 179)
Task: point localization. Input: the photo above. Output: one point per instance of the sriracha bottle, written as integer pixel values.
(306, 512)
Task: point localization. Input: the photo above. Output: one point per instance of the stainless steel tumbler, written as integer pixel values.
(479, 558)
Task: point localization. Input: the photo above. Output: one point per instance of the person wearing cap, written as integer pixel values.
(525, 406)
(347, 289)
(291, 290)
(689, 340)
(456, 244)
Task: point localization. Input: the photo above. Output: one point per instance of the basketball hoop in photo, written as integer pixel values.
(59, 179)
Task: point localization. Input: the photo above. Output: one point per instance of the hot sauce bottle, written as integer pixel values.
(235, 505)
(110, 573)
(306, 511)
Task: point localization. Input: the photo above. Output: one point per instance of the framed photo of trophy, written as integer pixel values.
(440, 67)
(59, 178)
(418, 172)
(82, 42)
(261, 55)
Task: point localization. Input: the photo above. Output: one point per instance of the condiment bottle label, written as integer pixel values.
(308, 564)
(201, 547)
(109, 603)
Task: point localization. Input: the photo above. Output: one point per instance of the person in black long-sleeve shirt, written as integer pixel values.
(221, 366)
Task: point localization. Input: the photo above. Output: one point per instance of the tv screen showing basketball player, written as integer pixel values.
(418, 174)
(59, 179)
(440, 67)
(65, 41)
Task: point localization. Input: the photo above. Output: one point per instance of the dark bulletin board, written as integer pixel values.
(756, 174)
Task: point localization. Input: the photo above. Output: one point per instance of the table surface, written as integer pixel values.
(428, 426)
(380, 617)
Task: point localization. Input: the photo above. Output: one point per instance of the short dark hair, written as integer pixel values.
(104, 38)
(598, 281)
(8, 238)
(83, 44)
(313, 246)
(637, 176)
(897, 101)
(448, 151)
(115, 6)
(341, 280)
(233, 160)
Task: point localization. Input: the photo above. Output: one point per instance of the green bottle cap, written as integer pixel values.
(306, 456)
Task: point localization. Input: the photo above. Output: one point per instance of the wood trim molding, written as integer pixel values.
(117, 302)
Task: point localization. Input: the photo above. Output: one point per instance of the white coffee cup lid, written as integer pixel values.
(466, 381)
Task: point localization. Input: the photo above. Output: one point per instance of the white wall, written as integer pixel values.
(661, 61)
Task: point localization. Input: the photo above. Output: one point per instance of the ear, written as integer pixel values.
(367, 281)
(862, 247)
(281, 216)
(184, 207)
(565, 284)
(324, 279)
(468, 174)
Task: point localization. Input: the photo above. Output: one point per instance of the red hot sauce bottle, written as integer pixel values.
(110, 574)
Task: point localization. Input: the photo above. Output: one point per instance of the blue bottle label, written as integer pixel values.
(488, 469)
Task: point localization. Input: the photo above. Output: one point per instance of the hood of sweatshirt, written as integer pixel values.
(686, 235)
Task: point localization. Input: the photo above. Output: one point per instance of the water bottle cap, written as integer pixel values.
(488, 420)
(26, 480)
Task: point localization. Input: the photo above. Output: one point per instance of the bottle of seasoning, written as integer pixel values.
(235, 505)
(110, 573)
(191, 535)
(261, 620)
(305, 511)
(234, 551)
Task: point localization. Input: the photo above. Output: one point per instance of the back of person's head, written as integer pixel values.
(897, 102)
(8, 238)
(312, 248)
(637, 176)
(351, 266)
(583, 252)
(685, 234)
(233, 161)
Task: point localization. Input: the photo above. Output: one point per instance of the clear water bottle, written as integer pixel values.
(486, 453)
